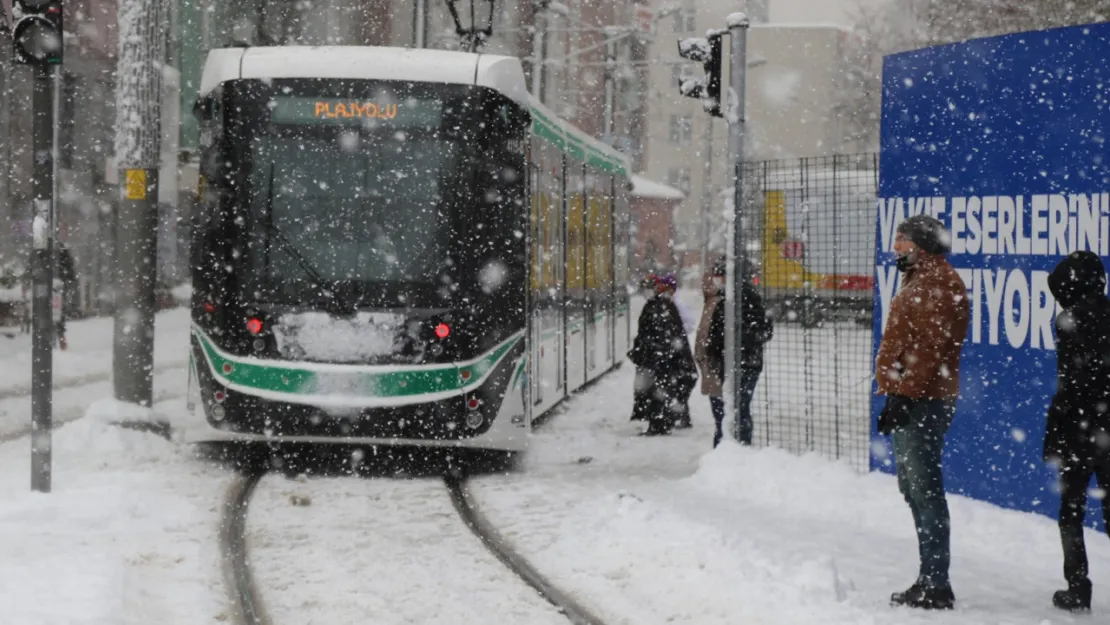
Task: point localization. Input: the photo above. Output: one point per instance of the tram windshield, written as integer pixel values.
(354, 183)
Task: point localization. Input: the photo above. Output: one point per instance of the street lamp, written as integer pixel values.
(474, 36)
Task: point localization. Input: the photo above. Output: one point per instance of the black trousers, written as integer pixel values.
(1075, 477)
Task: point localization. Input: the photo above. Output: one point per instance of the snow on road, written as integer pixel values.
(90, 350)
(383, 551)
(126, 537)
(71, 403)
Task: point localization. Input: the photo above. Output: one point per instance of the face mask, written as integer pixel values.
(904, 263)
(719, 283)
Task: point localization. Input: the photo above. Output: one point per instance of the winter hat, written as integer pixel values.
(667, 281)
(1077, 277)
(927, 233)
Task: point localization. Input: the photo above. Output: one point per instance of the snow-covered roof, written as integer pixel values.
(642, 187)
(501, 73)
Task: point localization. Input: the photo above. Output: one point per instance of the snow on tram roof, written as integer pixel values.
(501, 73)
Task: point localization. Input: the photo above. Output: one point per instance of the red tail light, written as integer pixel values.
(209, 307)
(254, 326)
(443, 330)
(472, 404)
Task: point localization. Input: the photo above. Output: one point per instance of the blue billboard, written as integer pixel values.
(1005, 140)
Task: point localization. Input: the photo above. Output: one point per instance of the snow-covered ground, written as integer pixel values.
(82, 373)
(667, 530)
(89, 353)
(640, 530)
(126, 537)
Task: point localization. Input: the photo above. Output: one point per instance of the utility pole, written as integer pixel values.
(706, 195)
(37, 42)
(610, 84)
(734, 304)
(420, 23)
(539, 50)
(142, 37)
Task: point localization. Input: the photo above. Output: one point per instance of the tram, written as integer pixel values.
(396, 247)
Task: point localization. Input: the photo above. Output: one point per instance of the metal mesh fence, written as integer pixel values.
(810, 241)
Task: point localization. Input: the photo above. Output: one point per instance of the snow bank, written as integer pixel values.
(110, 411)
(182, 293)
(127, 534)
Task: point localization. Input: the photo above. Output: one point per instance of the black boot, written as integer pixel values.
(924, 596)
(1077, 598)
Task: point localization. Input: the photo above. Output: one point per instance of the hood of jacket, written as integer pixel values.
(1077, 277)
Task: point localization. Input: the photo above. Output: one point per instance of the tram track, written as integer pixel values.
(249, 604)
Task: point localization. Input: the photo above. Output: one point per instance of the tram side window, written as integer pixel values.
(207, 239)
(622, 220)
(535, 230)
(575, 233)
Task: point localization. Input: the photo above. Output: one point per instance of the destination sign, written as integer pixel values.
(346, 111)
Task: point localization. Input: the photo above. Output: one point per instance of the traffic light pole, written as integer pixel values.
(738, 63)
(43, 104)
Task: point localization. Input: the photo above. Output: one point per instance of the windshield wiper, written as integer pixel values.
(336, 304)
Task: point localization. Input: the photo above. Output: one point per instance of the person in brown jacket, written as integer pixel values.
(918, 369)
(712, 385)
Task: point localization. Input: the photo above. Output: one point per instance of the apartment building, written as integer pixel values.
(792, 76)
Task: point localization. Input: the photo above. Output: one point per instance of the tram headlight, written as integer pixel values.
(474, 420)
(218, 412)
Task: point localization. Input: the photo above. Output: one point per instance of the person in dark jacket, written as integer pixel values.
(1077, 432)
(757, 330)
(641, 387)
(661, 351)
(668, 286)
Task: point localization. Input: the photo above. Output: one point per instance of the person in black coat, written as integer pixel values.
(641, 387)
(757, 330)
(1077, 432)
(661, 353)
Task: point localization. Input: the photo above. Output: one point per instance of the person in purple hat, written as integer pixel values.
(661, 353)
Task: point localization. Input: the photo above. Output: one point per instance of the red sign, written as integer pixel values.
(645, 18)
(793, 250)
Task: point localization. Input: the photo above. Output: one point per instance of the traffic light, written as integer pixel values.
(707, 51)
(37, 33)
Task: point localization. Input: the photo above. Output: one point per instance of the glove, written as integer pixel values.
(895, 414)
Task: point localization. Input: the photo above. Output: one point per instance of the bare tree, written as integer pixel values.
(901, 25)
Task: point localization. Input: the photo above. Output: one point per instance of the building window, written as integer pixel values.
(682, 129)
(679, 178)
(685, 21)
